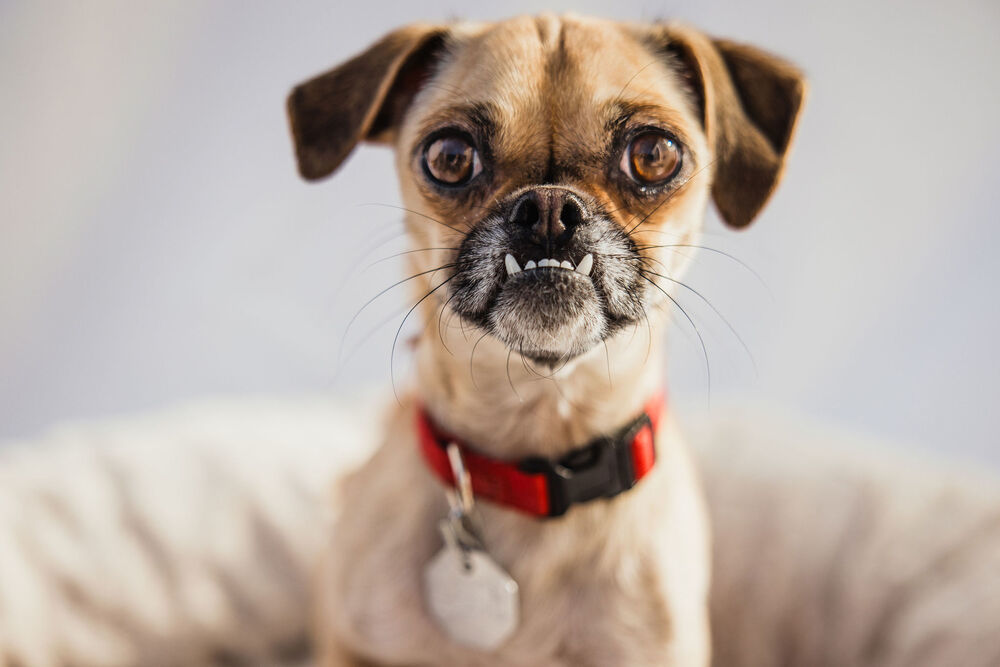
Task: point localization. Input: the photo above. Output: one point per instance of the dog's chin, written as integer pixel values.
(548, 315)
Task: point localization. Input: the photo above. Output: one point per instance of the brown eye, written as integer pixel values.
(451, 160)
(652, 158)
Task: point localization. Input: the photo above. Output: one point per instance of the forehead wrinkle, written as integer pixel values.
(560, 70)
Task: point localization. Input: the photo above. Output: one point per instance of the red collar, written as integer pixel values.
(603, 468)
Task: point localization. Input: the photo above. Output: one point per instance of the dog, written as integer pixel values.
(533, 502)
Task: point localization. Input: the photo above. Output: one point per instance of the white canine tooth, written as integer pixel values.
(511, 264)
(585, 265)
(530, 265)
(566, 265)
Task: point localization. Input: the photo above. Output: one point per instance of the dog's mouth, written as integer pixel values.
(549, 311)
(513, 267)
(549, 302)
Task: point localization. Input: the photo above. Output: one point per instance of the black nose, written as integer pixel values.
(551, 213)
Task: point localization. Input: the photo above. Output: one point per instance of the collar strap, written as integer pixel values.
(603, 468)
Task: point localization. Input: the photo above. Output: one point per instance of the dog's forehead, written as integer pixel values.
(553, 75)
(518, 55)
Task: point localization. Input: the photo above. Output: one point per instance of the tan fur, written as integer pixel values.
(619, 582)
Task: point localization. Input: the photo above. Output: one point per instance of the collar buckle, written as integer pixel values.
(602, 469)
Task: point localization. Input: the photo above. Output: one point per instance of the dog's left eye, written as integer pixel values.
(451, 160)
(651, 158)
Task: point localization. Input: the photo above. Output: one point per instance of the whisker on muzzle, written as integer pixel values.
(721, 253)
(409, 252)
(701, 340)
(668, 196)
(372, 300)
(715, 310)
(417, 213)
(395, 339)
(441, 311)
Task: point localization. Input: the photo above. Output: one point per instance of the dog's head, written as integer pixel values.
(553, 166)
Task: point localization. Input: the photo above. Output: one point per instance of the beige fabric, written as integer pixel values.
(831, 550)
(179, 538)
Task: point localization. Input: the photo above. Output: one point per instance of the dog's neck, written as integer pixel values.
(507, 407)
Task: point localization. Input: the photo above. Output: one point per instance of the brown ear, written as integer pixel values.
(362, 99)
(750, 101)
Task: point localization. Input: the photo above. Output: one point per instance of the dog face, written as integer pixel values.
(564, 160)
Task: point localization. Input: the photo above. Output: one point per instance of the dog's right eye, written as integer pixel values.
(451, 160)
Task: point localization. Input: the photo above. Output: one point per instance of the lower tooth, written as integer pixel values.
(566, 265)
(585, 265)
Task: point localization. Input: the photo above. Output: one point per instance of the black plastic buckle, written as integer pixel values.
(600, 469)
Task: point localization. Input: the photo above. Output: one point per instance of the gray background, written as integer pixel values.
(156, 244)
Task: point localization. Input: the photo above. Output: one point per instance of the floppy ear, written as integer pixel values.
(750, 102)
(362, 99)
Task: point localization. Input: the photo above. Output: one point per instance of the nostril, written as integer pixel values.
(526, 213)
(571, 214)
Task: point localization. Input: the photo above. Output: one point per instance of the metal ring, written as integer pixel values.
(463, 483)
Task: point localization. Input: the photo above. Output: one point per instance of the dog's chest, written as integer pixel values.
(582, 602)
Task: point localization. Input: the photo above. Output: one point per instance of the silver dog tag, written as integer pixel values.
(473, 599)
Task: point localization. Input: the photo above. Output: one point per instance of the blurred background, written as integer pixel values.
(156, 243)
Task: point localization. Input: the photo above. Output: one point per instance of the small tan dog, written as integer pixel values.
(552, 166)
